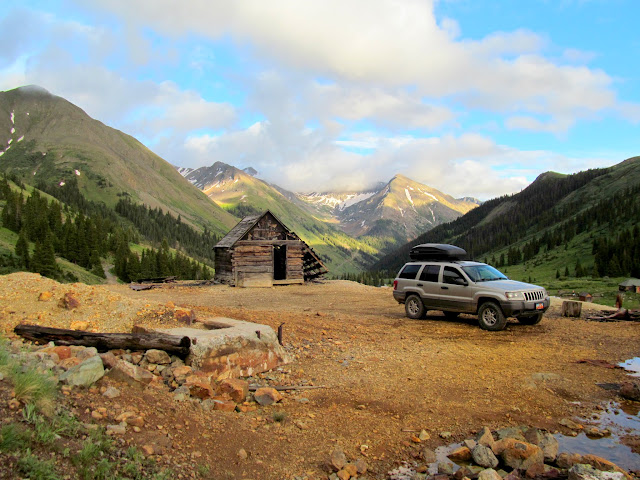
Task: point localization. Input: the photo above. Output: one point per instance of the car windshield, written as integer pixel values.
(483, 273)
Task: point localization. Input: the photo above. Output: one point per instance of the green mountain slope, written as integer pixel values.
(243, 194)
(555, 223)
(44, 138)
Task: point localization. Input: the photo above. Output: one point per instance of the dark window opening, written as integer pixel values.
(280, 262)
(410, 271)
(430, 273)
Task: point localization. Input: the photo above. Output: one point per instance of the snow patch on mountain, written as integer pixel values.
(408, 196)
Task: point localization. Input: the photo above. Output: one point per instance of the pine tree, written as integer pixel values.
(566, 271)
(44, 259)
(22, 250)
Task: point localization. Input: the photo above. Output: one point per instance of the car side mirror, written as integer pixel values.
(460, 281)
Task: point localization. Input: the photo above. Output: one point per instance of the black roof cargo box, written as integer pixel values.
(437, 251)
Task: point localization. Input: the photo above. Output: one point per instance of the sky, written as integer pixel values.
(472, 97)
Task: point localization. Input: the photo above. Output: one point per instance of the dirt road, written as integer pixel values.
(386, 376)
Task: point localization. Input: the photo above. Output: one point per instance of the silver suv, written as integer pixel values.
(437, 279)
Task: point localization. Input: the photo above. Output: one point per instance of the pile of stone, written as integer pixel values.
(343, 468)
(512, 454)
(77, 366)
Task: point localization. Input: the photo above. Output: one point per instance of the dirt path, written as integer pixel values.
(385, 376)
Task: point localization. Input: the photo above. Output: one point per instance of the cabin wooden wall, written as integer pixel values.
(267, 228)
(224, 266)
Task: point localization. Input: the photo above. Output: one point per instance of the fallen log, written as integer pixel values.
(619, 315)
(171, 344)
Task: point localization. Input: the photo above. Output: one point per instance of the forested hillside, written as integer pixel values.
(85, 233)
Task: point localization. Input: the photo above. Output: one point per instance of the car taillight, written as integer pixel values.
(395, 284)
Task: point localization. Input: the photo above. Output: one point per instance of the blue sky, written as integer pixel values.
(475, 98)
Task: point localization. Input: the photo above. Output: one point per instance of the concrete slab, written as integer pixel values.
(233, 348)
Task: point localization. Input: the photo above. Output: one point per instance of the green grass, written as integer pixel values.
(33, 387)
(37, 469)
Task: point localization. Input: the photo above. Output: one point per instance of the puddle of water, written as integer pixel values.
(632, 365)
(620, 420)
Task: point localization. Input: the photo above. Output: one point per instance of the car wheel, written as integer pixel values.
(414, 307)
(490, 317)
(451, 315)
(531, 319)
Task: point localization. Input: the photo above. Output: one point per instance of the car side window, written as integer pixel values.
(410, 271)
(430, 273)
(452, 276)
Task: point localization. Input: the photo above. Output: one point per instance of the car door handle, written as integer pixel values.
(420, 285)
(444, 288)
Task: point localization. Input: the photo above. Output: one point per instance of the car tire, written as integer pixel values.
(451, 315)
(531, 319)
(414, 308)
(490, 317)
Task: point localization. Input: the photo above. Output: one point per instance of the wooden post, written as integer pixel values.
(571, 309)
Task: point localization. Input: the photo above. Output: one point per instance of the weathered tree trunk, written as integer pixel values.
(571, 309)
(106, 341)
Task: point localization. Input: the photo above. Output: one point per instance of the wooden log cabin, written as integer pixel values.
(260, 251)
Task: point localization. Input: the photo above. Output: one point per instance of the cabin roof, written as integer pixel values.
(630, 282)
(243, 227)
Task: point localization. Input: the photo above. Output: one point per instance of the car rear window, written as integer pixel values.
(409, 271)
(450, 275)
(430, 273)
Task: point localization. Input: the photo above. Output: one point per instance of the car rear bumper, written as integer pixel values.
(399, 296)
(523, 308)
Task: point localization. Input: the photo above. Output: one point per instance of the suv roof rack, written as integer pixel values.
(437, 251)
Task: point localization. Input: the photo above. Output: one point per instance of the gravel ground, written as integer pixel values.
(385, 376)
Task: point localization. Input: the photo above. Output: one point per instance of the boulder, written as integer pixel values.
(461, 454)
(601, 464)
(630, 390)
(484, 437)
(87, 352)
(63, 352)
(109, 359)
(587, 472)
(45, 296)
(199, 387)
(338, 459)
(79, 325)
(267, 396)
(512, 432)
(159, 357)
(236, 389)
(428, 455)
(489, 474)
(567, 460)
(133, 375)
(69, 301)
(84, 374)
(484, 457)
(516, 454)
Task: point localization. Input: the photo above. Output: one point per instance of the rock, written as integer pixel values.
(445, 435)
(549, 445)
(630, 390)
(513, 476)
(462, 472)
(424, 436)
(520, 455)
(69, 363)
(133, 375)
(242, 454)
(63, 352)
(69, 301)
(236, 389)
(224, 405)
(109, 360)
(199, 388)
(159, 357)
(267, 396)
(461, 454)
(588, 472)
(445, 468)
(535, 470)
(79, 325)
(428, 455)
(45, 296)
(566, 422)
(181, 373)
(87, 353)
(567, 460)
(601, 464)
(470, 444)
(343, 475)
(484, 456)
(119, 429)
(182, 315)
(111, 392)
(84, 374)
(511, 432)
(484, 437)
(148, 450)
(489, 474)
(351, 469)
(338, 459)
(361, 466)
(135, 421)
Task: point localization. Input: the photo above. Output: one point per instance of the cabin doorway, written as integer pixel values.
(279, 262)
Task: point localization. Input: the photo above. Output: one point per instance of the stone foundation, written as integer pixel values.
(233, 348)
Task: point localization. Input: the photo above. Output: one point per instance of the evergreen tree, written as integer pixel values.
(566, 271)
(22, 250)
(44, 259)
